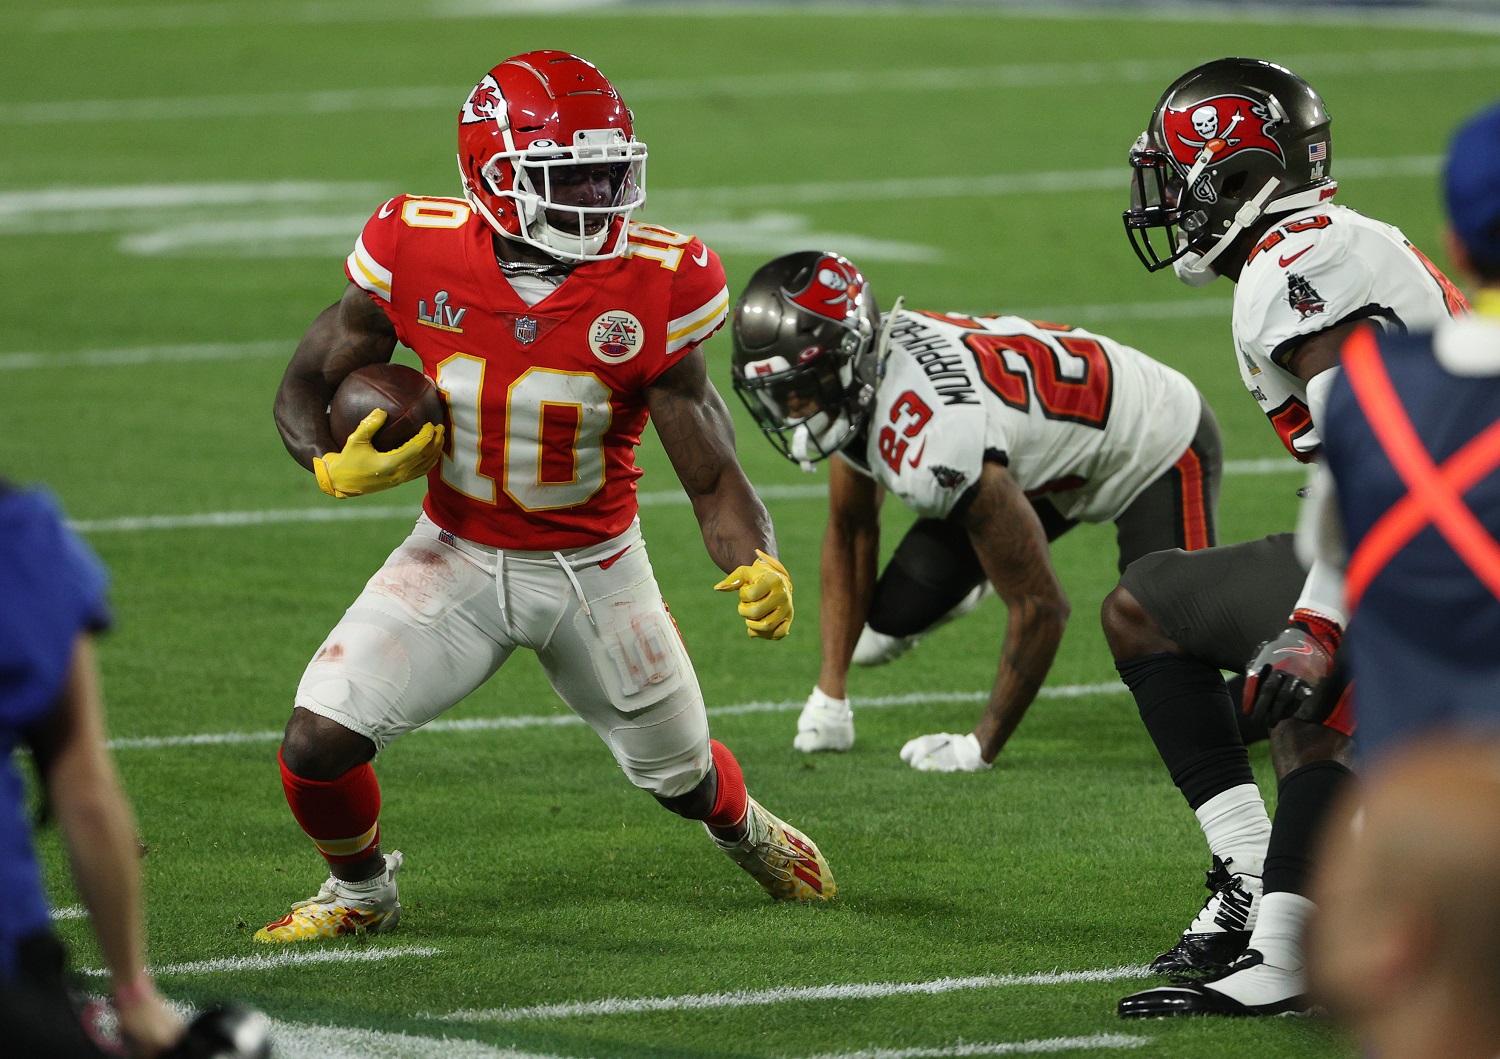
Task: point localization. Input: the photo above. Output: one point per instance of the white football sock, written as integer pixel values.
(1278, 938)
(1237, 828)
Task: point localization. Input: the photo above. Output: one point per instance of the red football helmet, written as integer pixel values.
(537, 139)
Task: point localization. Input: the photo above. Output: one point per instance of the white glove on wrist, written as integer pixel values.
(826, 724)
(944, 752)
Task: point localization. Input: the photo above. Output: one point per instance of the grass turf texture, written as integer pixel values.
(532, 865)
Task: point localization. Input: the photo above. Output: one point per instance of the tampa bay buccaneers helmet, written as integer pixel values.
(1230, 142)
(526, 121)
(805, 352)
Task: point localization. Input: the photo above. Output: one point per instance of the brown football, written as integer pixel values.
(409, 398)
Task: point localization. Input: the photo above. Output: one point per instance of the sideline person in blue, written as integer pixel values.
(1413, 508)
(52, 602)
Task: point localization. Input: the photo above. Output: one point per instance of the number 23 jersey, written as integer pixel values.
(1075, 416)
(546, 403)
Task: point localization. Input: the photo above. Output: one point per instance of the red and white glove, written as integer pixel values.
(1284, 678)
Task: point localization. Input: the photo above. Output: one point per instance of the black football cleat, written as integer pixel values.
(1221, 930)
(1199, 998)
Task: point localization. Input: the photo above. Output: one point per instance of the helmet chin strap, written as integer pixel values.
(800, 438)
(1193, 269)
(882, 347)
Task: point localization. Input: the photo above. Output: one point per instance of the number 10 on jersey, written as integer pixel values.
(554, 423)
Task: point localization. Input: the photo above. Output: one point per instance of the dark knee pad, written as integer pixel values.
(696, 803)
(932, 570)
(1251, 731)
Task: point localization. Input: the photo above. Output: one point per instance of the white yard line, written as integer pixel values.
(1035, 183)
(180, 196)
(562, 719)
(191, 16)
(368, 512)
(1014, 76)
(744, 998)
(110, 207)
(71, 912)
(300, 1041)
(1096, 1042)
(285, 958)
(131, 355)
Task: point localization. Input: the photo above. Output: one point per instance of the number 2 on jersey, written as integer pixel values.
(1083, 400)
(555, 423)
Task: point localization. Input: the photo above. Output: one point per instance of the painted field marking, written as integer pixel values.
(289, 958)
(563, 720)
(368, 512)
(797, 83)
(71, 912)
(1065, 181)
(743, 998)
(1094, 1042)
(18, 208)
(300, 1041)
(132, 355)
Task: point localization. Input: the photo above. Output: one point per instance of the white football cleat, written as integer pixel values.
(876, 648)
(826, 723)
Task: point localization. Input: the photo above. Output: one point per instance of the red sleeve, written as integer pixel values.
(373, 260)
(700, 299)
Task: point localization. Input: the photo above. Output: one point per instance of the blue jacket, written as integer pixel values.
(52, 588)
(1423, 642)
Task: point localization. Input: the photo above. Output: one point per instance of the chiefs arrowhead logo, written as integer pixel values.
(833, 290)
(1223, 126)
(485, 103)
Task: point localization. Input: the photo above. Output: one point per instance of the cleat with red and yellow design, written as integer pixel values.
(786, 863)
(341, 908)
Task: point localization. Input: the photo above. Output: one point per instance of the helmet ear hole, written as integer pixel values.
(1234, 186)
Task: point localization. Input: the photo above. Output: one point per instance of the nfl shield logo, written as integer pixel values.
(525, 330)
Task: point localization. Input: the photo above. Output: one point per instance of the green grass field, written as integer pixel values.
(178, 186)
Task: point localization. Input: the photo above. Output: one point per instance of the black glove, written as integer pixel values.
(224, 1031)
(1285, 677)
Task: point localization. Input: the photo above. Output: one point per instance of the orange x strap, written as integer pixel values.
(1435, 493)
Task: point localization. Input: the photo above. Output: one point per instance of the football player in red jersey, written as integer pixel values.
(554, 327)
(1233, 178)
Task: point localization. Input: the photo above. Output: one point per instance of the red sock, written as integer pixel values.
(730, 802)
(341, 816)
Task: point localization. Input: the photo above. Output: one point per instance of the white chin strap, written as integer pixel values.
(1193, 269)
(800, 438)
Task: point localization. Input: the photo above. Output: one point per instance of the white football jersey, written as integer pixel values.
(1075, 416)
(1318, 268)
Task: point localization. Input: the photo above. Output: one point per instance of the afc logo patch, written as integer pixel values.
(615, 336)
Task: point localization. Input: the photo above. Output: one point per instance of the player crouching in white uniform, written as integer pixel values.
(1002, 433)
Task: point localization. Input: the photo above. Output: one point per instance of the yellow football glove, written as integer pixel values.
(361, 468)
(765, 590)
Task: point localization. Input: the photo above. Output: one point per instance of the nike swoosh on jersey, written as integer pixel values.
(386, 211)
(701, 258)
(1285, 261)
(605, 564)
(917, 459)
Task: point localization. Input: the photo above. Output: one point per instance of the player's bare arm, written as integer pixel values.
(349, 334)
(851, 548)
(698, 434)
(1012, 546)
(1317, 353)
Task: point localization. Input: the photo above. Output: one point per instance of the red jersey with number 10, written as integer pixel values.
(546, 403)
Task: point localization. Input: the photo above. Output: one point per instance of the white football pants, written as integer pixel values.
(443, 614)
